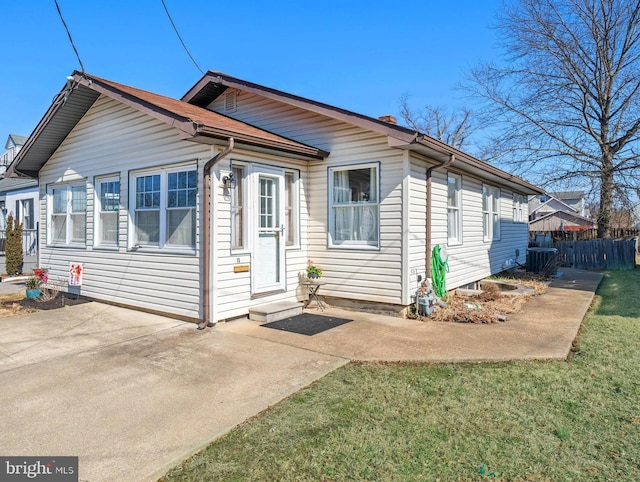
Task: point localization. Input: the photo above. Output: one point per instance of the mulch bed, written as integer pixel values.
(59, 301)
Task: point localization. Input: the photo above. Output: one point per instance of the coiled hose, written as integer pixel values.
(439, 269)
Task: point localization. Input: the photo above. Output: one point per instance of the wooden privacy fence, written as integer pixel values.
(598, 253)
(583, 234)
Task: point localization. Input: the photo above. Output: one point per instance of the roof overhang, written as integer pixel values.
(81, 92)
(213, 84)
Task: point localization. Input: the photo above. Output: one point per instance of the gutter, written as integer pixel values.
(445, 164)
(206, 241)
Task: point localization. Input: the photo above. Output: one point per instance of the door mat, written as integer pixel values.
(307, 324)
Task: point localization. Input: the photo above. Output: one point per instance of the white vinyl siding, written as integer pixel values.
(474, 259)
(162, 281)
(454, 209)
(373, 274)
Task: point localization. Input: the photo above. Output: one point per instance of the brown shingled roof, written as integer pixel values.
(205, 122)
(192, 122)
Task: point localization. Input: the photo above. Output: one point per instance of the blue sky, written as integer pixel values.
(358, 55)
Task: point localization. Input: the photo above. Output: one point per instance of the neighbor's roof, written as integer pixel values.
(213, 84)
(562, 215)
(193, 122)
(16, 140)
(565, 195)
(16, 183)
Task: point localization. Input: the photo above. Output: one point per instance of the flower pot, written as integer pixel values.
(313, 276)
(33, 293)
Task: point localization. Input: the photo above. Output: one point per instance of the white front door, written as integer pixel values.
(269, 269)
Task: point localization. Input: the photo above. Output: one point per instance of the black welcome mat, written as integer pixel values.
(307, 324)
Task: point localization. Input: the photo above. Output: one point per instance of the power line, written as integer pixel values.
(69, 34)
(180, 38)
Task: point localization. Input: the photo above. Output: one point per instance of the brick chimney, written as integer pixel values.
(388, 118)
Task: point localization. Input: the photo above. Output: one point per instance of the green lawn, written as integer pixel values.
(534, 421)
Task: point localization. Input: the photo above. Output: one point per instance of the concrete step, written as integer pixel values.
(275, 311)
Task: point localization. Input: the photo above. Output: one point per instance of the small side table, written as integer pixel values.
(313, 287)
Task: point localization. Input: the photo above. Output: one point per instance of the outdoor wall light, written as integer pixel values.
(228, 182)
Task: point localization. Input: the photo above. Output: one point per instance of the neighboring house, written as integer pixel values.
(576, 200)
(12, 147)
(559, 211)
(18, 197)
(560, 221)
(124, 189)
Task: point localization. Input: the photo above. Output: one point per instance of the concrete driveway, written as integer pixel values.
(133, 394)
(130, 393)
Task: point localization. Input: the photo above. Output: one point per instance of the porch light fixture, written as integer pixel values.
(228, 182)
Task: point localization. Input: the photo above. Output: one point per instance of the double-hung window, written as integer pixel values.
(164, 208)
(107, 210)
(519, 203)
(354, 211)
(454, 209)
(67, 214)
(490, 213)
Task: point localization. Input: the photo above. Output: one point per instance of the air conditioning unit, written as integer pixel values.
(542, 260)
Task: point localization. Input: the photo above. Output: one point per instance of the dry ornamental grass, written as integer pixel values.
(489, 306)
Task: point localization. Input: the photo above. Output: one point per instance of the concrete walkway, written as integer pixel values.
(133, 394)
(543, 330)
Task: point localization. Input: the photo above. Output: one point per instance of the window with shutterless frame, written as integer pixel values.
(354, 206)
(163, 208)
(454, 208)
(106, 218)
(67, 214)
(490, 212)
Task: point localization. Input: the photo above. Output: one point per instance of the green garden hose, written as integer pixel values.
(439, 270)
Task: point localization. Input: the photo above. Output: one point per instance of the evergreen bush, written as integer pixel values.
(13, 246)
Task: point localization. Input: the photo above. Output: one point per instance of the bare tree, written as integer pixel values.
(453, 128)
(566, 102)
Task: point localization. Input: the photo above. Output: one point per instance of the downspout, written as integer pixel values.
(206, 238)
(445, 164)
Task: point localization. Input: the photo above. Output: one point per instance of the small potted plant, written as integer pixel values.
(313, 271)
(33, 287)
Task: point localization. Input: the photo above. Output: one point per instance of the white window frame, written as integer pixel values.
(25, 209)
(335, 204)
(491, 222)
(68, 188)
(98, 212)
(519, 203)
(292, 208)
(238, 209)
(454, 212)
(163, 243)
